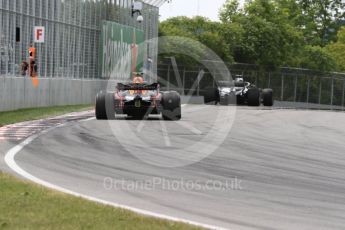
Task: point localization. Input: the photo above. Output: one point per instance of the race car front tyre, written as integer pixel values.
(105, 106)
(253, 95)
(171, 102)
(267, 97)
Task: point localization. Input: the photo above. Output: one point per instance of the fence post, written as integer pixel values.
(168, 80)
(184, 81)
(308, 90)
(343, 99)
(320, 90)
(213, 82)
(295, 96)
(282, 89)
(332, 90)
(198, 89)
(214, 77)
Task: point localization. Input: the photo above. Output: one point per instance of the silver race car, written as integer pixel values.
(238, 92)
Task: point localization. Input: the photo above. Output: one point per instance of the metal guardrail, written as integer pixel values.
(19, 92)
(289, 84)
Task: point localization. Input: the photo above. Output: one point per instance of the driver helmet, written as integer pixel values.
(138, 80)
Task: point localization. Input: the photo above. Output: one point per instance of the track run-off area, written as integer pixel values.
(272, 169)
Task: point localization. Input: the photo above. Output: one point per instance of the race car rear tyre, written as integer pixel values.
(267, 97)
(105, 107)
(253, 95)
(171, 102)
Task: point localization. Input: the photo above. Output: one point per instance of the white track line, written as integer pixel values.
(142, 123)
(89, 119)
(165, 134)
(10, 161)
(10, 138)
(190, 127)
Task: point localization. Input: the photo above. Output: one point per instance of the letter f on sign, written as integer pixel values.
(39, 34)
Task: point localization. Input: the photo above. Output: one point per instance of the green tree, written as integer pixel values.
(229, 11)
(268, 33)
(317, 58)
(321, 19)
(337, 49)
(274, 33)
(263, 32)
(199, 29)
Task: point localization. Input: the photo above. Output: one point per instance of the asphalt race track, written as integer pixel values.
(275, 169)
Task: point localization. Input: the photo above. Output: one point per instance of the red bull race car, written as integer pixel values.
(138, 99)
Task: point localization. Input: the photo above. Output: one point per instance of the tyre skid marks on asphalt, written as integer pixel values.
(11, 163)
(17, 132)
(165, 132)
(23, 130)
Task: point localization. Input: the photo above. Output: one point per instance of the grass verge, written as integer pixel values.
(28, 206)
(20, 115)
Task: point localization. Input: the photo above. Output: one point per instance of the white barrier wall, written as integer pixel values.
(19, 92)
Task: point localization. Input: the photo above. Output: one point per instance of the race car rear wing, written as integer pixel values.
(122, 87)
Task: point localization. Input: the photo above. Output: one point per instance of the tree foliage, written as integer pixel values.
(314, 57)
(272, 33)
(337, 49)
(321, 19)
(199, 29)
